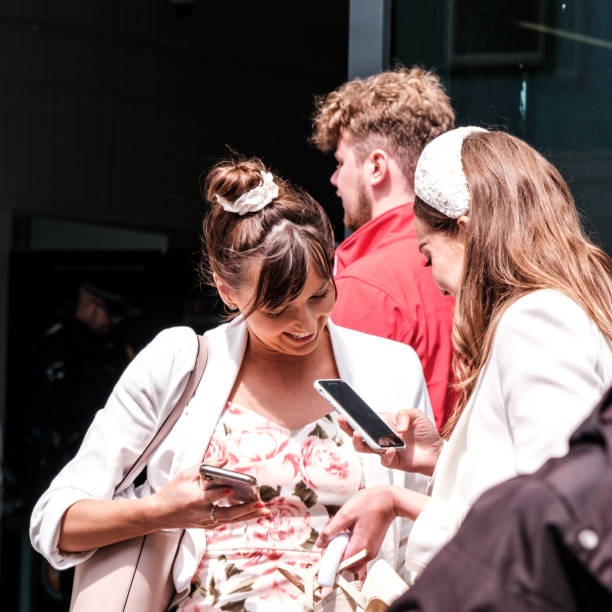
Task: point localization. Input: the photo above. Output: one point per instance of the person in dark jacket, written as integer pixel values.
(538, 542)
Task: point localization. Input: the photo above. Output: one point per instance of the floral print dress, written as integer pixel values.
(305, 475)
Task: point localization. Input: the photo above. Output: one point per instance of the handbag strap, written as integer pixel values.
(173, 417)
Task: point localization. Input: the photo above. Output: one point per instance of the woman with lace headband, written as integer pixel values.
(267, 248)
(532, 330)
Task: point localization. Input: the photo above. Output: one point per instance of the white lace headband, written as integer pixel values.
(439, 179)
(254, 199)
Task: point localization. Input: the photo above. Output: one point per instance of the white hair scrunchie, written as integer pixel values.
(254, 199)
(439, 179)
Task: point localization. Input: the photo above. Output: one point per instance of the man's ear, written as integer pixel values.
(377, 167)
(225, 292)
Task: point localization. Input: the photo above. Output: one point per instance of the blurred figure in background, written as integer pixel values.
(77, 361)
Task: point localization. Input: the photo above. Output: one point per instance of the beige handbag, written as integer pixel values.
(382, 585)
(136, 575)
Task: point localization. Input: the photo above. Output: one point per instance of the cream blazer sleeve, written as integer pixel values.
(549, 366)
(144, 395)
(553, 365)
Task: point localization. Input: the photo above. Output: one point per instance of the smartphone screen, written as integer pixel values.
(244, 487)
(359, 415)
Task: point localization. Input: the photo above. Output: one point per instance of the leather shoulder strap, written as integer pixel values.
(173, 417)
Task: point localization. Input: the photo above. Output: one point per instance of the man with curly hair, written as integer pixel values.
(377, 128)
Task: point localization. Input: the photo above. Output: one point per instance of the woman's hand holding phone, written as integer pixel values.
(187, 502)
(243, 486)
(419, 434)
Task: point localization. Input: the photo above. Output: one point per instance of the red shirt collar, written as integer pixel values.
(395, 224)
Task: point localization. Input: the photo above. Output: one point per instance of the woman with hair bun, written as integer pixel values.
(532, 329)
(268, 249)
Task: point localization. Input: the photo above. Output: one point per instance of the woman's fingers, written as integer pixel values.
(359, 444)
(247, 517)
(214, 494)
(389, 458)
(367, 515)
(239, 512)
(341, 522)
(259, 512)
(344, 426)
(402, 420)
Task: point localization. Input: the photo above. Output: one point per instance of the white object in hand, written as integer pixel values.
(331, 559)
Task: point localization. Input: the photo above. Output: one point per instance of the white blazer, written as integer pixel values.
(387, 374)
(549, 366)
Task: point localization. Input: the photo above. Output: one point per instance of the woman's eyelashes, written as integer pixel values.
(279, 313)
(320, 296)
(275, 315)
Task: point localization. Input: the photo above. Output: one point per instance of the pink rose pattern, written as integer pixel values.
(326, 467)
(304, 476)
(217, 450)
(285, 528)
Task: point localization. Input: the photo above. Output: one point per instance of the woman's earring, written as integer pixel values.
(232, 306)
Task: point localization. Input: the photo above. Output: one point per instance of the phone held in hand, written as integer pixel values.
(345, 400)
(245, 487)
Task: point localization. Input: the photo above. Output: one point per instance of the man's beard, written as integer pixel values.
(363, 211)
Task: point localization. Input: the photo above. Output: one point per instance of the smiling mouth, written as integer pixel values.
(300, 337)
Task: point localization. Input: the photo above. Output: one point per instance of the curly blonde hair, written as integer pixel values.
(401, 110)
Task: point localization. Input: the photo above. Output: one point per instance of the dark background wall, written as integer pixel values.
(109, 110)
(541, 69)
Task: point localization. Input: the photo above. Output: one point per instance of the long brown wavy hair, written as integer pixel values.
(523, 234)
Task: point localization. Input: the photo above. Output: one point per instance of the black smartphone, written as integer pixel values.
(345, 400)
(245, 487)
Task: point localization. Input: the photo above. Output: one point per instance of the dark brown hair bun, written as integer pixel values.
(287, 236)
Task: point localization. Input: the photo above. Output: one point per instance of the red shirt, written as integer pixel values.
(385, 289)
